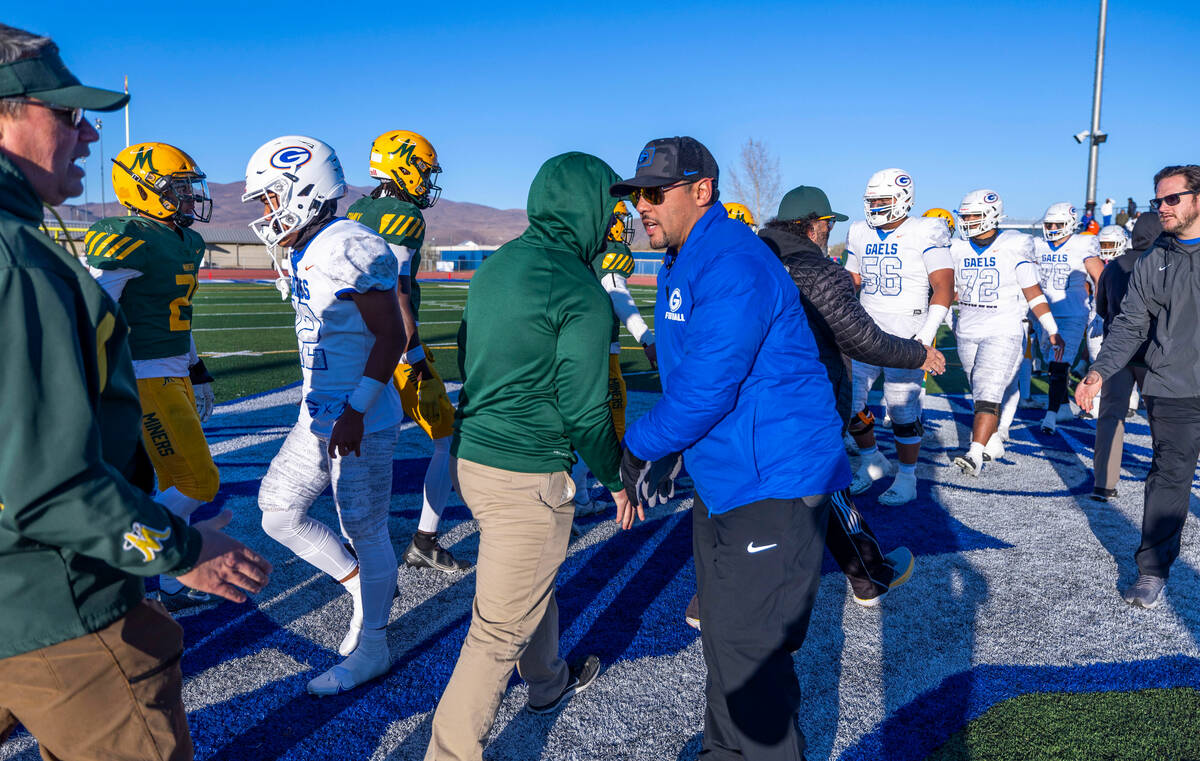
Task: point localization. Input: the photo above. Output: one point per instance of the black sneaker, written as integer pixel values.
(692, 615)
(184, 599)
(439, 558)
(580, 679)
(1103, 495)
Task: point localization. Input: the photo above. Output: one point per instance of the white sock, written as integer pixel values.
(351, 640)
(177, 502)
(369, 660)
(976, 451)
(437, 486)
(907, 470)
(1008, 408)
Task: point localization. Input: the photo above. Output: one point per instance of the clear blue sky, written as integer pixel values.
(961, 94)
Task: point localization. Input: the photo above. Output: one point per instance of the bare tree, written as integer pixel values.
(757, 180)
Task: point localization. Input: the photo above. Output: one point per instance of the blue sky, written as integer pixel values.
(962, 95)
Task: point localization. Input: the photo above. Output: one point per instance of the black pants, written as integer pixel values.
(757, 571)
(1175, 433)
(853, 545)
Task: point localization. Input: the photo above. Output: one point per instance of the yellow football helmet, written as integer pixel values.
(941, 214)
(620, 228)
(160, 181)
(741, 213)
(410, 161)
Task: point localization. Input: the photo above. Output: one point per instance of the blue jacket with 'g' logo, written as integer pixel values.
(745, 397)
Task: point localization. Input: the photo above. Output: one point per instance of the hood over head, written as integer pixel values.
(1146, 230)
(570, 205)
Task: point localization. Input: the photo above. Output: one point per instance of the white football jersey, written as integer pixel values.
(895, 265)
(345, 257)
(1062, 274)
(990, 301)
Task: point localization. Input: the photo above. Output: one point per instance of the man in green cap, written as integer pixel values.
(87, 665)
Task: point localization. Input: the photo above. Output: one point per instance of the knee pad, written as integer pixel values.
(908, 433)
(991, 408)
(862, 422)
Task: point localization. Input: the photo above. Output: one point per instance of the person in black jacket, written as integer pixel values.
(799, 236)
(1110, 420)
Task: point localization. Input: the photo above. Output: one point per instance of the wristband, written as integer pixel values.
(198, 373)
(933, 321)
(1039, 299)
(1048, 323)
(413, 355)
(365, 394)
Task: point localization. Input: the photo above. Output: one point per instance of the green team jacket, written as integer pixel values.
(399, 223)
(77, 529)
(158, 303)
(533, 344)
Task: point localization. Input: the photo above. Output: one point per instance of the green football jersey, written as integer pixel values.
(158, 303)
(400, 223)
(616, 260)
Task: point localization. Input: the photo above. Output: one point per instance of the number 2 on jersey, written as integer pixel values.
(983, 284)
(178, 321)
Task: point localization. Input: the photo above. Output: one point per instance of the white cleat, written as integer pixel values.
(994, 449)
(871, 470)
(362, 666)
(1050, 422)
(968, 464)
(902, 491)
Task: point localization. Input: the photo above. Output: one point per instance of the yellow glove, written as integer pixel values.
(430, 393)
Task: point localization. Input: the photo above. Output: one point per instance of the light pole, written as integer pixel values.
(1096, 137)
(100, 132)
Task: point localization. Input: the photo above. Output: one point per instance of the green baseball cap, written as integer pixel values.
(47, 78)
(805, 201)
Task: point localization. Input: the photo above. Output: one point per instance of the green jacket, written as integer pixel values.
(77, 529)
(533, 345)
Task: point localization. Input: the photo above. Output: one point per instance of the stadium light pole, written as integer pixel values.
(100, 132)
(1096, 136)
(127, 112)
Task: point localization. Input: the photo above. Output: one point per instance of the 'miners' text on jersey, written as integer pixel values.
(1062, 274)
(895, 265)
(990, 301)
(158, 301)
(344, 258)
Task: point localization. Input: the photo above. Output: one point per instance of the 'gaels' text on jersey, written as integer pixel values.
(1062, 274)
(988, 282)
(895, 265)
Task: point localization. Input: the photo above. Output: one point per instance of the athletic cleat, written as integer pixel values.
(184, 599)
(902, 562)
(1050, 422)
(439, 559)
(871, 470)
(580, 679)
(902, 491)
(692, 615)
(994, 449)
(1100, 494)
(361, 667)
(968, 464)
(1146, 592)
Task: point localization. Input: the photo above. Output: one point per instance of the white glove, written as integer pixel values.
(205, 400)
(284, 288)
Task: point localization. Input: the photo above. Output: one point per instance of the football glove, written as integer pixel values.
(284, 287)
(430, 393)
(650, 483)
(205, 400)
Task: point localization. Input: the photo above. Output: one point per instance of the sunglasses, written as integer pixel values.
(69, 116)
(1171, 200)
(655, 196)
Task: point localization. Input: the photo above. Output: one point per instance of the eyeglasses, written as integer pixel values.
(69, 116)
(655, 196)
(1171, 200)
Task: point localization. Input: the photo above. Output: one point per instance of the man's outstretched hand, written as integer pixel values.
(226, 566)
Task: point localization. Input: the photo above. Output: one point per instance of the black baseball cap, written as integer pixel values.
(666, 161)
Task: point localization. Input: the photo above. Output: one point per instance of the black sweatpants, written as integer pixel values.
(853, 545)
(1175, 433)
(758, 567)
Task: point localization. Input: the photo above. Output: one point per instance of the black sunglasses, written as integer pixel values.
(69, 116)
(1171, 200)
(655, 196)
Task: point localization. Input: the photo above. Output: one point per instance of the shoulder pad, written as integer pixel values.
(110, 242)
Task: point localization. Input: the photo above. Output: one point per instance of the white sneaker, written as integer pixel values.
(968, 464)
(1050, 422)
(994, 449)
(871, 470)
(902, 491)
(363, 665)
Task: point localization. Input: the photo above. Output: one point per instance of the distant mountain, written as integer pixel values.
(448, 223)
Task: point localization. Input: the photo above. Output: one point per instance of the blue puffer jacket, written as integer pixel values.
(745, 396)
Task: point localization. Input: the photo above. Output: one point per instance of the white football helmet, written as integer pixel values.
(1113, 240)
(984, 204)
(1060, 222)
(895, 186)
(302, 173)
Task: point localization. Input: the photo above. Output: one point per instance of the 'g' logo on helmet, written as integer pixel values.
(291, 157)
(676, 300)
(991, 198)
(904, 180)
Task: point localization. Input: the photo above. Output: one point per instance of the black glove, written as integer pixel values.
(650, 483)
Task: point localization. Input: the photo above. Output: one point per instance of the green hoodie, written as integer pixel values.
(533, 345)
(77, 529)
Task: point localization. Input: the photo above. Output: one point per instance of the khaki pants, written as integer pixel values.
(1110, 424)
(113, 694)
(524, 527)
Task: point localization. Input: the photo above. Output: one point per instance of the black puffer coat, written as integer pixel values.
(839, 323)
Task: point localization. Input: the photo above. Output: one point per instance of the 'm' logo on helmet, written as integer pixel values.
(144, 160)
(405, 152)
(291, 157)
(646, 158)
(991, 198)
(904, 180)
(676, 300)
